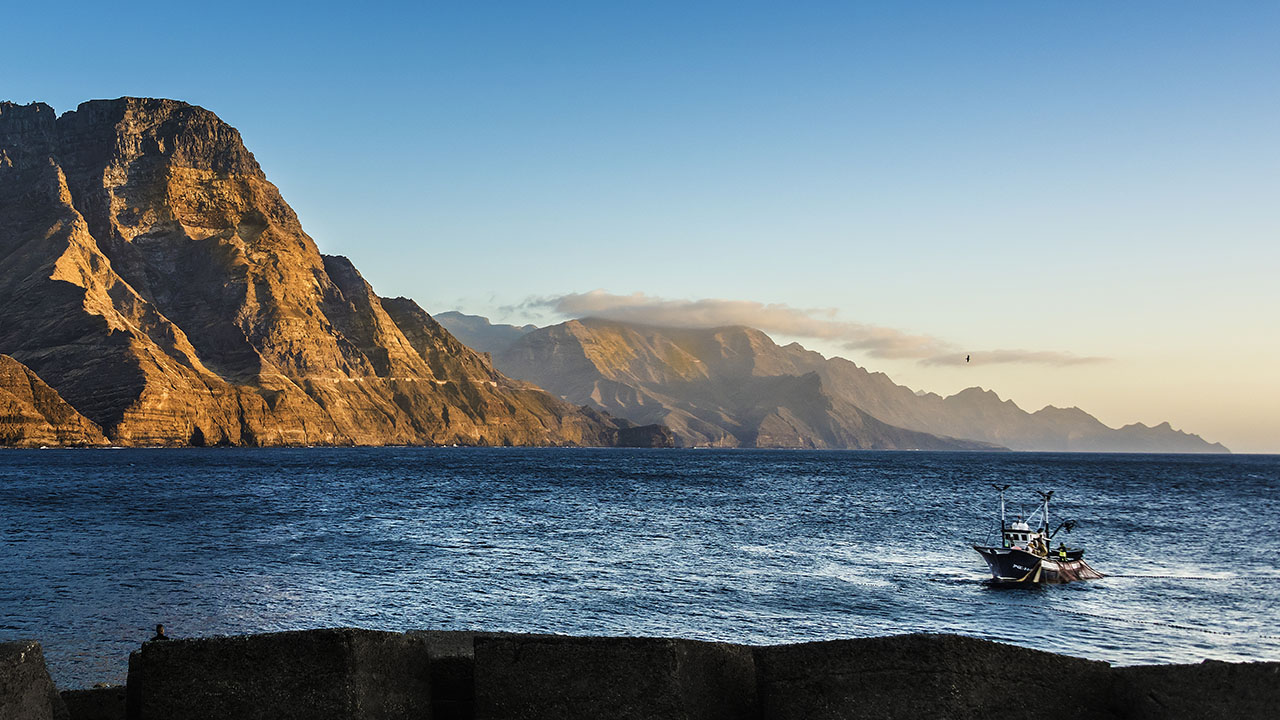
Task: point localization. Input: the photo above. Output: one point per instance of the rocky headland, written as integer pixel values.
(161, 287)
(32, 414)
(350, 674)
(734, 386)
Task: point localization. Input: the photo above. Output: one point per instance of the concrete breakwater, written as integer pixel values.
(352, 674)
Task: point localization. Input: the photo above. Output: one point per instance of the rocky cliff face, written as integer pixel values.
(32, 414)
(726, 387)
(155, 278)
(735, 386)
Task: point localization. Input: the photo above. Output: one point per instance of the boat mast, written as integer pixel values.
(1001, 489)
(1044, 513)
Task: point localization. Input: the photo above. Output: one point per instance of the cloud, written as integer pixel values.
(820, 323)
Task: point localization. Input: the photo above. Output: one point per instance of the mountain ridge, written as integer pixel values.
(604, 378)
(157, 280)
(676, 377)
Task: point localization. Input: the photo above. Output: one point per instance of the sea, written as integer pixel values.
(745, 546)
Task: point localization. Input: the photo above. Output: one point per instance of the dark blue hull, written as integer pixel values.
(1009, 565)
(1013, 566)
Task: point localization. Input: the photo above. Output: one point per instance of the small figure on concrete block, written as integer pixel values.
(160, 633)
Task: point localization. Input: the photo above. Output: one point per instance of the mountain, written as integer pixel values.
(155, 279)
(721, 387)
(735, 386)
(33, 414)
(982, 415)
(478, 333)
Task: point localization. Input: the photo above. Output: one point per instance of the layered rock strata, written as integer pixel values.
(32, 414)
(157, 280)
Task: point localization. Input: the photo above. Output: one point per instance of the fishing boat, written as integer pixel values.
(1025, 554)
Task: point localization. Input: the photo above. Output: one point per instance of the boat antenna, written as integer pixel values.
(1000, 489)
(1046, 496)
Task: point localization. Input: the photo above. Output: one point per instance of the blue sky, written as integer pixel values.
(1098, 180)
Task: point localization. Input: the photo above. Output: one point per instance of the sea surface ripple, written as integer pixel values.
(763, 547)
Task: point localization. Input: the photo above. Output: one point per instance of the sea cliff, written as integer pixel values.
(163, 288)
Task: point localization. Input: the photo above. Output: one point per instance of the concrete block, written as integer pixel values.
(453, 685)
(927, 676)
(527, 677)
(1209, 690)
(99, 703)
(337, 674)
(26, 690)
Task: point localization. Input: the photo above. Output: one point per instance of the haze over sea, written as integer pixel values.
(743, 546)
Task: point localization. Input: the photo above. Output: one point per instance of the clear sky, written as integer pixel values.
(1070, 181)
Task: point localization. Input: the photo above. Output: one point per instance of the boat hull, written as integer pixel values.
(1014, 566)
(1011, 565)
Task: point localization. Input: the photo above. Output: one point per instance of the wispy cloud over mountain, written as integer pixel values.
(819, 323)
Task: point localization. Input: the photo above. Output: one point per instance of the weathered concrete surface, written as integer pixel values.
(453, 682)
(340, 674)
(463, 675)
(26, 690)
(927, 676)
(1209, 690)
(99, 703)
(543, 676)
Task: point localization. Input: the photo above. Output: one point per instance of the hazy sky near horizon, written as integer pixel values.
(1088, 193)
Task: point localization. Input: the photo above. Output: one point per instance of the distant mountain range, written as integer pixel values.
(735, 387)
(481, 334)
(156, 289)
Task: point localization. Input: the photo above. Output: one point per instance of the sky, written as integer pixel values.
(1082, 197)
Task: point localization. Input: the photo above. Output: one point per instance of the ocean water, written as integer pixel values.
(97, 546)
